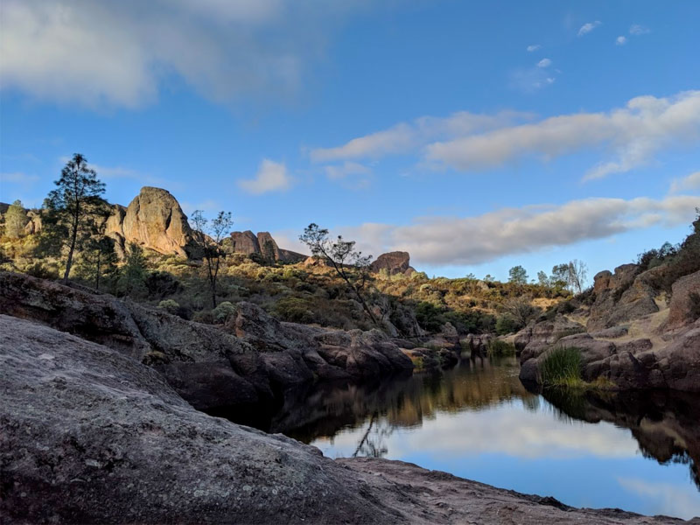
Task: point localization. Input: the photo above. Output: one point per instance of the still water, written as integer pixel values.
(639, 452)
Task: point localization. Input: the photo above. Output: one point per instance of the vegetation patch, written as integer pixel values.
(499, 348)
(562, 367)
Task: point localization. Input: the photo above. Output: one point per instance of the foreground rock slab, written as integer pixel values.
(92, 436)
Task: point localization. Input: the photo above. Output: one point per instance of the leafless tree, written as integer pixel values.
(349, 264)
(209, 237)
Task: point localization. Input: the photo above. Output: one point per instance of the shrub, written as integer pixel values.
(169, 306)
(562, 367)
(161, 284)
(500, 348)
(294, 310)
(505, 324)
(42, 272)
(223, 312)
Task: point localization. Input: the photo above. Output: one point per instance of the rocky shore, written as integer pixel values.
(92, 435)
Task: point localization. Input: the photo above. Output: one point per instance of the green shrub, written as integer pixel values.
(294, 310)
(223, 312)
(500, 348)
(505, 324)
(562, 367)
(169, 306)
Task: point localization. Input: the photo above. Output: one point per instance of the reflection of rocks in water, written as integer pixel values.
(402, 402)
(666, 424)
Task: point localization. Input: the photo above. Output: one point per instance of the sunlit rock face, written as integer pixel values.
(153, 220)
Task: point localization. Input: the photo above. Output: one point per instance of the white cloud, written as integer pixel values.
(637, 30)
(533, 47)
(531, 80)
(587, 28)
(404, 138)
(621, 40)
(17, 178)
(271, 176)
(634, 133)
(665, 498)
(99, 52)
(545, 62)
(691, 182)
(344, 170)
(445, 241)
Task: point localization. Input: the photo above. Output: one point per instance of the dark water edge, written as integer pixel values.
(367, 418)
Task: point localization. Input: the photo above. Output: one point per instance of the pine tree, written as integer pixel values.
(73, 209)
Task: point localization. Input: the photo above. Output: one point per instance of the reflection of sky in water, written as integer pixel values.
(534, 451)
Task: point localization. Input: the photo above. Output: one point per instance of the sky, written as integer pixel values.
(475, 135)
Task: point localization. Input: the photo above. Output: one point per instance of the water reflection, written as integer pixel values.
(633, 451)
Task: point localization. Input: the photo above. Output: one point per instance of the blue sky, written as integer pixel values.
(475, 135)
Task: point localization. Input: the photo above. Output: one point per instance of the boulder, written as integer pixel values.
(393, 262)
(535, 338)
(153, 220)
(685, 302)
(244, 242)
(92, 436)
(620, 297)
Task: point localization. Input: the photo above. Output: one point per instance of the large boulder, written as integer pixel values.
(92, 436)
(153, 220)
(244, 242)
(623, 296)
(392, 262)
(535, 338)
(685, 302)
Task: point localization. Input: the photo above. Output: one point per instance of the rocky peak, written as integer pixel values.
(153, 220)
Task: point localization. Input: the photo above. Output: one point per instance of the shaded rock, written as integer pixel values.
(392, 262)
(685, 302)
(91, 436)
(534, 339)
(620, 297)
(611, 333)
(244, 242)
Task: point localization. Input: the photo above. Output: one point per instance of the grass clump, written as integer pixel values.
(562, 367)
(499, 348)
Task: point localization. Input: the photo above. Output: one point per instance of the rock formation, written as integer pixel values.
(93, 436)
(633, 339)
(214, 370)
(393, 262)
(263, 245)
(153, 220)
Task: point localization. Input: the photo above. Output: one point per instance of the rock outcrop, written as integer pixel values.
(685, 302)
(620, 297)
(393, 263)
(238, 370)
(153, 220)
(93, 436)
(262, 244)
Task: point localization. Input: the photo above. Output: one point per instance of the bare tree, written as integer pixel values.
(577, 272)
(209, 238)
(349, 264)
